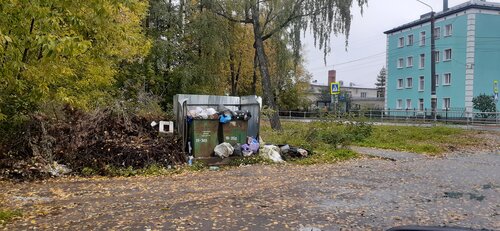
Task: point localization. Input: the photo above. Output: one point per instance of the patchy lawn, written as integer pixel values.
(425, 140)
(308, 136)
(429, 140)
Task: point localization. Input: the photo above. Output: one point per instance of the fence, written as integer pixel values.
(450, 116)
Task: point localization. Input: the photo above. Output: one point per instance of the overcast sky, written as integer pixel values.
(365, 55)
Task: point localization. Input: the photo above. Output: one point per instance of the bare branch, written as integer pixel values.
(291, 17)
(224, 14)
(246, 21)
(268, 19)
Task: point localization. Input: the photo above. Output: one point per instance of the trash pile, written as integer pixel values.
(224, 115)
(275, 153)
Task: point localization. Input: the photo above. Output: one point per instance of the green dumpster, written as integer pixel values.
(235, 132)
(204, 137)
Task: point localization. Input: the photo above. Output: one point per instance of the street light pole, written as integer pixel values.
(433, 65)
(433, 69)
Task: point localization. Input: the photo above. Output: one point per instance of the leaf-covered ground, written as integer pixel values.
(359, 194)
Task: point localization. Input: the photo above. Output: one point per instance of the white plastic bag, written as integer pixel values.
(210, 111)
(271, 152)
(203, 115)
(223, 150)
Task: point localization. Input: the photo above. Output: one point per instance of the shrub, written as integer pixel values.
(484, 103)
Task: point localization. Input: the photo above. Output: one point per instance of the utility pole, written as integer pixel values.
(433, 65)
(433, 70)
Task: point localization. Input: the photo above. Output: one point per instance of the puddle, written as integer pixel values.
(476, 197)
(457, 195)
(454, 195)
(489, 186)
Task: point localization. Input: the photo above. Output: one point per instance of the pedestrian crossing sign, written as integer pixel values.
(334, 88)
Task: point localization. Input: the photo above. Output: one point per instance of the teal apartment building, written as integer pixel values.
(467, 45)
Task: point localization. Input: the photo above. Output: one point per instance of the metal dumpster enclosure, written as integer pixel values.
(236, 132)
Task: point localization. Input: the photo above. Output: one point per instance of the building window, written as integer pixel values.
(421, 82)
(401, 42)
(447, 55)
(421, 104)
(437, 56)
(409, 61)
(410, 40)
(446, 103)
(401, 62)
(437, 32)
(437, 80)
(399, 104)
(409, 82)
(363, 94)
(422, 38)
(447, 79)
(408, 103)
(422, 61)
(400, 83)
(448, 30)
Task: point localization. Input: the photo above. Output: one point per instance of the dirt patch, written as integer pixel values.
(477, 142)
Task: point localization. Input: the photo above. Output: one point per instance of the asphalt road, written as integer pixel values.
(361, 194)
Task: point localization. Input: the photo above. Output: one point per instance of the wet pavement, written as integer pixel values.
(389, 154)
(362, 194)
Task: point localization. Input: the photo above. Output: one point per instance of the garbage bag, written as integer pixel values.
(214, 116)
(221, 107)
(211, 111)
(271, 152)
(241, 115)
(302, 152)
(247, 116)
(245, 149)
(297, 152)
(192, 114)
(284, 149)
(237, 150)
(254, 147)
(247, 153)
(225, 118)
(223, 150)
(203, 115)
(254, 144)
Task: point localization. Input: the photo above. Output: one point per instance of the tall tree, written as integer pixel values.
(64, 51)
(287, 18)
(381, 78)
(193, 52)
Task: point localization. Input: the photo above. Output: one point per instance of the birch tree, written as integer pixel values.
(268, 18)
